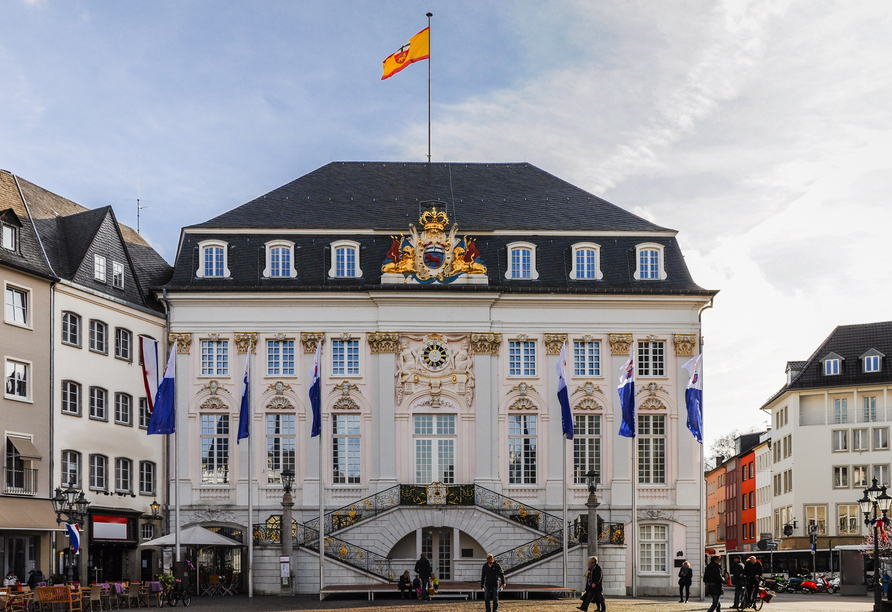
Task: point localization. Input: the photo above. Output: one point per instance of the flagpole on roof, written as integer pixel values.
(429, 15)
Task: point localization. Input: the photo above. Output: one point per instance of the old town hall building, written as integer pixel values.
(441, 295)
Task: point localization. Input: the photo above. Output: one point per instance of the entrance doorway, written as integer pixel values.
(145, 564)
(436, 544)
(21, 555)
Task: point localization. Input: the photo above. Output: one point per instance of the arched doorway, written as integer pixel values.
(454, 555)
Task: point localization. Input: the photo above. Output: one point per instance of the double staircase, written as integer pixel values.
(435, 495)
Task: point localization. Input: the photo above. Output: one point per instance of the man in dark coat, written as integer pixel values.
(491, 580)
(594, 588)
(737, 571)
(753, 574)
(424, 571)
(714, 579)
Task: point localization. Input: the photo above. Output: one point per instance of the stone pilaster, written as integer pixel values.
(486, 425)
(382, 378)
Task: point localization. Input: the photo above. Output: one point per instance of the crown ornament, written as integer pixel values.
(434, 219)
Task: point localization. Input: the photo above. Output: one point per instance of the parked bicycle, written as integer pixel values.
(178, 592)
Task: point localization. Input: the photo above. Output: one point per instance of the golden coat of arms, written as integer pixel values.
(433, 256)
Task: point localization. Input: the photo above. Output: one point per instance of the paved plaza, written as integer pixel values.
(785, 603)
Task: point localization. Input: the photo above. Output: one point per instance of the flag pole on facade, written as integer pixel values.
(626, 390)
(244, 431)
(694, 403)
(567, 432)
(316, 430)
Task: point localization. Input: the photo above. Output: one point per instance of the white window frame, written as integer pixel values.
(122, 401)
(349, 368)
(279, 244)
(661, 263)
(97, 324)
(104, 404)
(860, 476)
(202, 272)
(147, 531)
(852, 516)
(523, 363)
(276, 348)
(657, 549)
(216, 365)
(29, 386)
(93, 463)
(441, 439)
(65, 397)
(842, 470)
(839, 440)
(884, 432)
(26, 292)
(281, 430)
(877, 471)
(143, 415)
(861, 439)
(7, 229)
(120, 334)
(123, 468)
(575, 272)
(147, 471)
(117, 274)
(840, 410)
(70, 458)
(346, 450)
(586, 359)
(344, 244)
(832, 366)
(527, 471)
(221, 471)
(509, 270)
(68, 318)
(646, 349)
(871, 364)
(100, 269)
(587, 445)
(651, 444)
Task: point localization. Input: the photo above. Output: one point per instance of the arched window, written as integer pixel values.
(522, 261)
(71, 329)
(586, 261)
(650, 264)
(279, 260)
(345, 260)
(213, 259)
(71, 469)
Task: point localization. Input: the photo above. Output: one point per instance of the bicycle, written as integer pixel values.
(761, 596)
(176, 594)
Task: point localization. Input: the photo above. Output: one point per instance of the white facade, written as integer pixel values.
(763, 486)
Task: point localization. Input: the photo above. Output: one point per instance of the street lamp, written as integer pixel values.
(73, 505)
(155, 507)
(875, 505)
(592, 478)
(287, 544)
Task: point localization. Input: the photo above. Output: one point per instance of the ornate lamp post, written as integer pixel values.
(875, 505)
(287, 544)
(73, 505)
(592, 478)
(156, 509)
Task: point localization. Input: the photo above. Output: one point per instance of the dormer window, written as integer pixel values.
(586, 262)
(213, 260)
(8, 237)
(832, 364)
(99, 268)
(279, 260)
(345, 260)
(650, 262)
(522, 261)
(872, 361)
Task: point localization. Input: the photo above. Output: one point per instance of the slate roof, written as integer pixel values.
(338, 200)
(71, 233)
(387, 195)
(29, 256)
(850, 342)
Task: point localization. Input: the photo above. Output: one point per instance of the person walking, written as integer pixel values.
(491, 580)
(714, 581)
(424, 570)
(594, 588)
(737, 572)
(685, 577)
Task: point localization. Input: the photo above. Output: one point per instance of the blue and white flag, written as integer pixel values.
(693, 397)
(627, 398)
(316, 391)
(164, 417)
(74, 537)
(563, 398)
(244, 415)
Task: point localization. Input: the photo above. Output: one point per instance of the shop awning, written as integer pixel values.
(23, 514)
(25, 447)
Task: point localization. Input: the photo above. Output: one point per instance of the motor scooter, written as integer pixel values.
(818, 585)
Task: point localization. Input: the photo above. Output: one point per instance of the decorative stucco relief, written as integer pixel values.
(433, 363)
(620, 343)
(184, 342)
(311, 341)
(383, 342)
(554, 343)
(245, 341)
(685, 343)
(486, 344)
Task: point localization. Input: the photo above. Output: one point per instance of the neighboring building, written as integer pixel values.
(763, 488)
(27, 520)
(439, 355)
(732, 504)
(747, 501)
(715, 508)
(834, 410)
(101, 305)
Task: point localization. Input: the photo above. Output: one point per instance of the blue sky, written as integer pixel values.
(760, 129)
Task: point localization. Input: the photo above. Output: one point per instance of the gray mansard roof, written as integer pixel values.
(497, 204)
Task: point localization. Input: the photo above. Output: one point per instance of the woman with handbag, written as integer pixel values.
(685, 577)
(714, 580)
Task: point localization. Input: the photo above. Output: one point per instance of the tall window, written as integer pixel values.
(872, 363)
(71, 469)
(881, 473)
(144, 415)
(817, 515)
(434, 448)
(831, 367)
(840, 477)
(521, 262)
(280, 357)
(652, 449)
(654, 542)
(118, 274)
(8, 237)
(651, 359)
(586, 358)
(17, 379)
(345, 449)
(522, 358)
(522, 445)
(146, 478)
(213, 261)
(99, 268)
(840, 439)
(123, 475)
(71, 329)
(123, 344)
(345, 260)
(98, 337)
(214, 358)
(345, 357)
(841, 410)
(880, 438)
(586, 446)
(17, 306)
(71, 397)
(215, 448)
(279, 445)
(585, 262)
(98, 404)
(279, 262)
(860, 476)
(848, 519)
(860, 440)
(123, 409)
(98, 472)
(869, 413)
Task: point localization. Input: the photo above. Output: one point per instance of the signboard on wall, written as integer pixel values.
(109, 527)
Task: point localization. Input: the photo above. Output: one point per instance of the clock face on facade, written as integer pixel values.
(435, 355)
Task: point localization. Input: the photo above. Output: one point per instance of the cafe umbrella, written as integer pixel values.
(194, 537)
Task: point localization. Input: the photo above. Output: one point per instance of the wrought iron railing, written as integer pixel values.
(608, 533)
(359, 510)
(348, 553)
(517, 511)
(437, 494)
(270, 532)
(21, 481)
(523, 555)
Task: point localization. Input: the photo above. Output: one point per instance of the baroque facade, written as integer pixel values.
(441, 429)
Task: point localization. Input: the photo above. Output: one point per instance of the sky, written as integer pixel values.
(761, 130)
